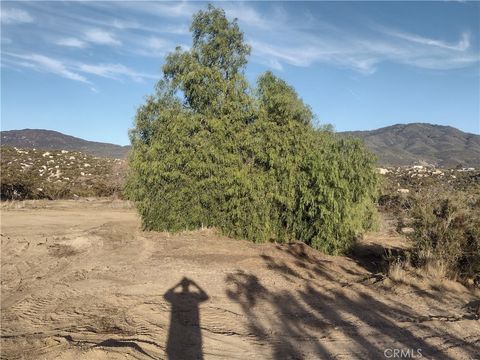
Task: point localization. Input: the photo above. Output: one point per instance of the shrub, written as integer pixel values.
(207, 150)
(447, 231)
(17, 187)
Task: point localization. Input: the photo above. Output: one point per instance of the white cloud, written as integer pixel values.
(180, 9)
(153, 46)
(74, 70)
(101, 37)
(152, 29)
(15, 16)
(114, 71)
(363, 52)
(312, 51)
(123, 24)
(71, 42)
(279, 39)
(462, 45)
(177, 29)
(156, 43)
(43, 63)
(301, 55)
(272, 63)
(426, 53)
(246, 15)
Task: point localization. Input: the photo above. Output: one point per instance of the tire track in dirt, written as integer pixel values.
(91, 285)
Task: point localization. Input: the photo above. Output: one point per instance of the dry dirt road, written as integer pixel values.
(80, 280)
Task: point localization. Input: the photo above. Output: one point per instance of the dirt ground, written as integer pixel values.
(80, 280)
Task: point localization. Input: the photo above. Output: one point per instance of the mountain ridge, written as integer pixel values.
(395, 145)
(55, 140)
(417, 143)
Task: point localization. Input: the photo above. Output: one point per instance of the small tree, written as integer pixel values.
(209, 151)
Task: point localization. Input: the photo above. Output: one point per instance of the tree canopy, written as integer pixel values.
(210, 150)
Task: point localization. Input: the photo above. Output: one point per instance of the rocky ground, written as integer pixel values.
(80, 280)
(418, 178)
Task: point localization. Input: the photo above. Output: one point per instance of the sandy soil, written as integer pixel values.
(80, 280)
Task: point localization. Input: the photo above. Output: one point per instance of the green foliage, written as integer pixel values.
(209, 151)
(280, 102)
(447, 230)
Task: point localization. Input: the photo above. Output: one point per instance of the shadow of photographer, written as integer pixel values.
(184, 335)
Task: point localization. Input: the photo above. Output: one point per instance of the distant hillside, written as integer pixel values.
(407, 144)
(54, 140)
(402, 144)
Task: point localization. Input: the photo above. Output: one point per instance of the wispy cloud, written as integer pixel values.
(178, 29)
(287, 42)
(74, 70)
(114, 71)
(247, 15)
(44, 63)
(71, 42)
(462, 45)
(278, 38)
(423, 52)
(15, 16)
(305, 55)
(165, 9)
(153, 46)
(156, 43)
(362, 55)
(101, 37)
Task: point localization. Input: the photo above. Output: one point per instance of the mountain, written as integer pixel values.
(402, 144)
(54, 140)
(417, 143)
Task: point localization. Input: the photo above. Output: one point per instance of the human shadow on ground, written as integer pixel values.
(184, 335)
(320, 311)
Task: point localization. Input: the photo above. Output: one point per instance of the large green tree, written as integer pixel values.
(209, 150)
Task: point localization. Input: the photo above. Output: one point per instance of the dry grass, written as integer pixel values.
(433, 276)
(81, 202)
(23, 204)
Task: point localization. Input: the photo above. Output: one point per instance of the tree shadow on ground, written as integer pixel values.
(124, 343)
(184, 335)
(321, 310)
(376, 258)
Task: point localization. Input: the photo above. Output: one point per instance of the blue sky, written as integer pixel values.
(83, 68)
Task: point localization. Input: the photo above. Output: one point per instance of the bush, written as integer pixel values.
(447, 231)
(207, 150)
(17, 187)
